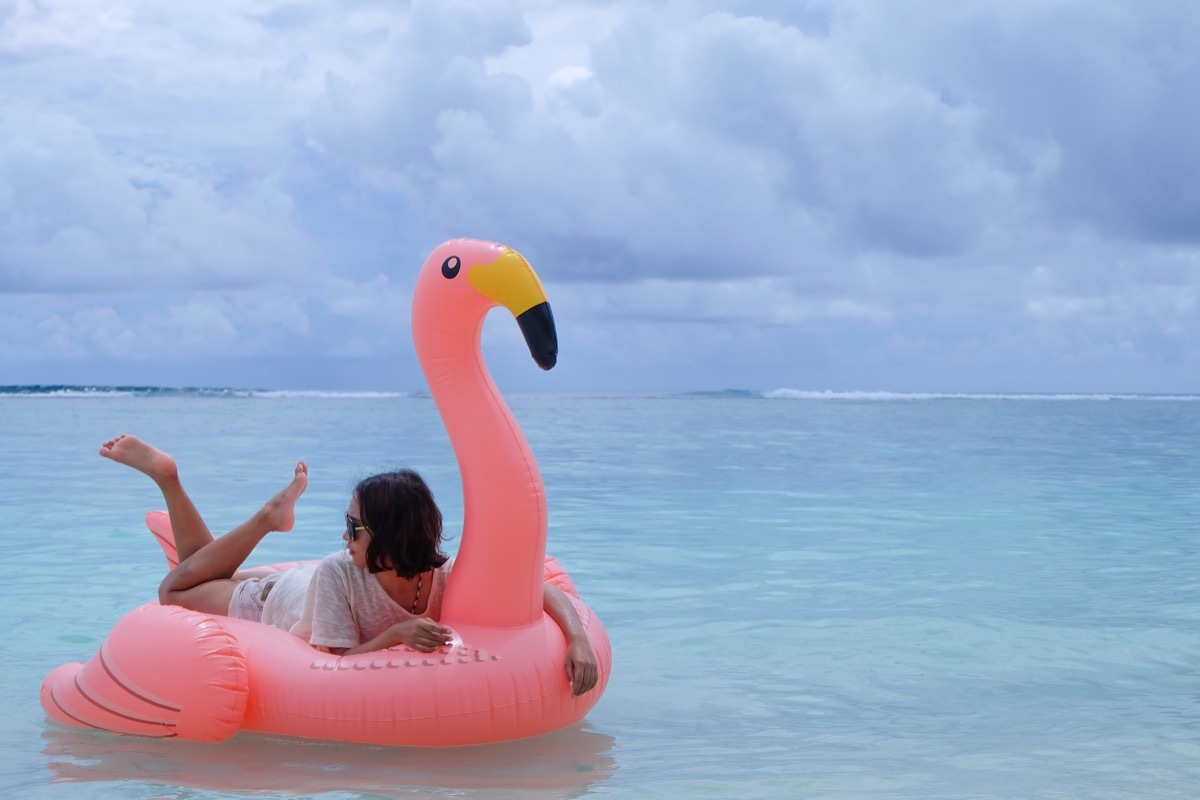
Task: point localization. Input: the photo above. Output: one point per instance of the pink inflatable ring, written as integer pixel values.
(164, 671)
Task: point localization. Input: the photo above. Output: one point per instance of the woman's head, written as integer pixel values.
(404, 522)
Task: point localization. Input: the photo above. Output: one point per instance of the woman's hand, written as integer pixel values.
(420, 633)
(582, 670)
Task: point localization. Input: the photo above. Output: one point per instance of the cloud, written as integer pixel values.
(687, 144)
(229, 324)
(885, 181)
(691, 143)
(146, 147)
(74, 217)
(386, 118)
(1102, 85)
(605, 184)
(759, 301)
(377, 299)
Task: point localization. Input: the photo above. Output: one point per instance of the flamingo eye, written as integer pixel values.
(451, 266)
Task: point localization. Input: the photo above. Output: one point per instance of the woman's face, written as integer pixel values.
(358, 547)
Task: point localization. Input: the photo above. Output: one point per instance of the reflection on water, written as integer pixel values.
(563, 764)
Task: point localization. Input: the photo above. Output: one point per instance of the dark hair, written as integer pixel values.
(405, 523)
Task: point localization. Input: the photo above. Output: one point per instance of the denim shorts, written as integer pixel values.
(249, 596)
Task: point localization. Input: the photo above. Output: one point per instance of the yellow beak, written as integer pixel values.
(511, 282)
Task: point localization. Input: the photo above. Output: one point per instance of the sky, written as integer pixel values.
(818, 195)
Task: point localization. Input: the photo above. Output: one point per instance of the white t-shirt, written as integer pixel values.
(336, 604)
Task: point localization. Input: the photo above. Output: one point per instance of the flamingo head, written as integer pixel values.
(472, 276)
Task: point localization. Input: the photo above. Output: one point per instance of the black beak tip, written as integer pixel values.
(537, 324)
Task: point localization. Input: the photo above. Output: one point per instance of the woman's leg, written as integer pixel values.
(191, 533)
(204, 581)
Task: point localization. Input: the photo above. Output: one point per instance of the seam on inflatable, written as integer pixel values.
(58, 704)
(87, 694)
(124, 683)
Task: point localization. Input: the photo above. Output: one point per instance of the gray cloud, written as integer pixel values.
(713, 145)
(690, 144)
(919, 180)
(75, 217)
(1103, 87)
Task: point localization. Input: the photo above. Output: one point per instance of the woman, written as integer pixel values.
(383, 590)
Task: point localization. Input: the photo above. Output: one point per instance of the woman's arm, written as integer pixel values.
(419, 633)
(582, 669)
(422, 633)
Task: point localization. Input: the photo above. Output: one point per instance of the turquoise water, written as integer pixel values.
(809, 596)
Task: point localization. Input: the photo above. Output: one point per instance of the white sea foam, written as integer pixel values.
(886, 396)
(319, 393)
(100, 392)
(94, 392)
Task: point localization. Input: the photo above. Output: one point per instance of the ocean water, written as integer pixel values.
(809, 595)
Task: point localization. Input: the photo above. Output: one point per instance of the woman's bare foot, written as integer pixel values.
(279, 512)
(133, 452)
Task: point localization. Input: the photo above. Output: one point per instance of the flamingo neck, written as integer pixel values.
(497, 575)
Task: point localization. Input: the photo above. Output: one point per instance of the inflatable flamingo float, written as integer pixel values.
(164, 671)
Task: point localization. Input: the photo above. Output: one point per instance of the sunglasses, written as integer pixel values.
(353, 526)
